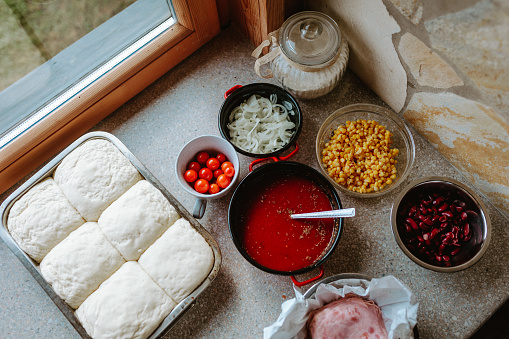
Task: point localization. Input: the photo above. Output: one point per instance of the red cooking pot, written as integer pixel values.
(239, 94)
(261, 227)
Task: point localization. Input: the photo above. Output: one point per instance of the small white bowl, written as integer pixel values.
(210, 144)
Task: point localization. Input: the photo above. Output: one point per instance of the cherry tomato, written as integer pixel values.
(229, 171)
(201, 186)
(190, 175)
(213, 163)
(221, 157)
(223, 180)
(214, 188)
(202, 157)
(194, 166)
(205, 173)
(218, 172)
(226, 164)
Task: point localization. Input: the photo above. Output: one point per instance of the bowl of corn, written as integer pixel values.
(365, 150)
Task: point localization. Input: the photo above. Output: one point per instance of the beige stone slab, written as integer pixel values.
(470, 135)
(427, 67)
(411, 9)
(369, 29)
(476, 40)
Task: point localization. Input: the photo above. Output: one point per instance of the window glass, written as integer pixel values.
(48, 47)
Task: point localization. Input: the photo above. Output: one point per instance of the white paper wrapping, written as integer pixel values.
(398, 306)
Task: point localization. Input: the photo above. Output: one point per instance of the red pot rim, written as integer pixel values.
(278, 168)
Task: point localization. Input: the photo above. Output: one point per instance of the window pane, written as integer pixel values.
(63, 42)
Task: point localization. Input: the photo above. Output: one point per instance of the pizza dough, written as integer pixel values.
(80, 263)
(179, 261)
(93, 175)
(42, 218)
(134, 221)
(348, 317)
(127, 305)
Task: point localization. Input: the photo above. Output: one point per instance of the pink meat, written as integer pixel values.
(348, 317)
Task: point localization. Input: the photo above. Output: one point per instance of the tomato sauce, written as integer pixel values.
(271, 237)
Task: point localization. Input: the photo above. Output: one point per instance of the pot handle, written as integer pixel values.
(231, 90)
(292, 153)
(309, 281)
(254, 162)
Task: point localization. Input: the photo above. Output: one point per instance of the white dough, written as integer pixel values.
(93, 175)
(127, 305)
(80, 263)
(179, 260)
(136, 219)
(42, 218)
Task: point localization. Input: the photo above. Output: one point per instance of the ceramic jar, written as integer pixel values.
(307, 55)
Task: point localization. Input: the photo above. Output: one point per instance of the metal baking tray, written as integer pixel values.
(32, 266)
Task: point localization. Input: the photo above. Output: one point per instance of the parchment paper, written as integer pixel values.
(398, 306)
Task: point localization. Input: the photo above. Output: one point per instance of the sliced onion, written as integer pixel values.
(260, 125)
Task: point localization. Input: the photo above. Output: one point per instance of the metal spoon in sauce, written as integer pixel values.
(341, 213)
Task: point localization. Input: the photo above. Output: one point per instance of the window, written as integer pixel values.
(50, 120)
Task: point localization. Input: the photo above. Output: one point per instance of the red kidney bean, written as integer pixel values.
(443, 207)
(455, 251)
(434, 233)
(408, 228)
(466, 229)
(464, 216)
(448, 214)
(441, 249)
(438, 200)
(412, 223)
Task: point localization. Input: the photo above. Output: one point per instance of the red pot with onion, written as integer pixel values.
(261, 227)
(261, 120)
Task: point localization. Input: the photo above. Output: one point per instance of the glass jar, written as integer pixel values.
(308, 55)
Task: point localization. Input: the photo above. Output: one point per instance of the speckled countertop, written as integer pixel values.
(242, 300)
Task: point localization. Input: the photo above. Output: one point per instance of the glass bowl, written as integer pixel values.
(440, 196)
(401, 139)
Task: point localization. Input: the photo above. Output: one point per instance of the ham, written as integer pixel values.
(348, 317)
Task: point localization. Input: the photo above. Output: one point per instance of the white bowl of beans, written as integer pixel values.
(365, 150)
(441, 224)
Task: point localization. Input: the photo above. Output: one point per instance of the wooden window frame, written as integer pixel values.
(198, 22)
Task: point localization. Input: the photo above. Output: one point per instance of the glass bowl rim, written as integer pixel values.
(382, 111)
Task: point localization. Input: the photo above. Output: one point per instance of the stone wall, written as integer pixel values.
(444, 66)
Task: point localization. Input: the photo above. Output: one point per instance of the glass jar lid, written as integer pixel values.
(310, 38)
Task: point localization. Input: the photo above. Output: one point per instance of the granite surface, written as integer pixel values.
(242, 300)
(443, 48)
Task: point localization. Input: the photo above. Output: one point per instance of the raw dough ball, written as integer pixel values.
(179, 260)
(93, 175)
(134, 221)
(127, 305)
(42, 218)
(80, 263)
